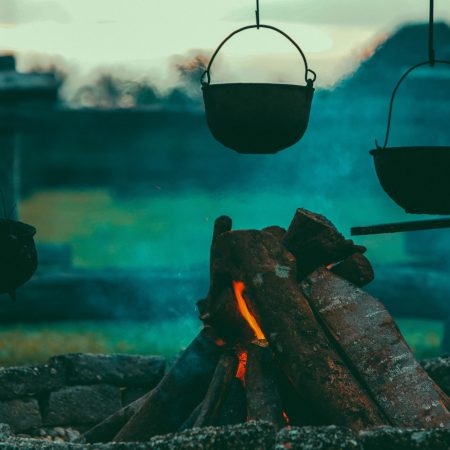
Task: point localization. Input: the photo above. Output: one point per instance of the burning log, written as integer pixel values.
(275, 230)
(374, 347)
(301, 347)
(298, 410)
(214, 317)
(316, 242)
(263, 399)
(108, 428)
(211, 405)
(177, 394)
(356, 269)
(234, 407)
(222, 224)
(221, 312)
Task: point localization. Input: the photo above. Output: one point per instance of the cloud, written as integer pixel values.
(14, 12)
(342, 12)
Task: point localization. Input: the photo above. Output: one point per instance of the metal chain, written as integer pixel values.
(431, 61)
(257, 14)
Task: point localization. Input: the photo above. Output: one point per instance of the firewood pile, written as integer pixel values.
(290, 338)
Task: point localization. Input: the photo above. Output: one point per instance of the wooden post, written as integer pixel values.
(20, 94)
(9, 172)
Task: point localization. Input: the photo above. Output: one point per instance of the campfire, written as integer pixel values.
(289, 337)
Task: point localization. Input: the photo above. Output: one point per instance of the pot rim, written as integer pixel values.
(24, 230)
(277, 85)
(405, 149)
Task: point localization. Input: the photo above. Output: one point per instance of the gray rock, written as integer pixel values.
(388, 438)
(34, 444)
(439, 371)
(248, 436)
(120, 370)
(20, 414)
(30, 381)
(5, 431)
(317, 438)
(72, 435)
(75, 405)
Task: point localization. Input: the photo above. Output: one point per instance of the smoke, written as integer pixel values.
(190, 68)
(122, 87)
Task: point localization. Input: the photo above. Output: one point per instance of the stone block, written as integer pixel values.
(120, 370)
(18, 382)
(20, 414)
(79, 405)
(317, 438)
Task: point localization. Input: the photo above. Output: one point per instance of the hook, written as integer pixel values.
(257, 14)
(431, 54)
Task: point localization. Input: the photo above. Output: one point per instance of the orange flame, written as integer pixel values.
(242, 366)
(286, 418)
(239, 288)
(330, 266)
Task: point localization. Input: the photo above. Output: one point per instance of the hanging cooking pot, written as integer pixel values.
(18, 257)
(416, 178)
(257, 117)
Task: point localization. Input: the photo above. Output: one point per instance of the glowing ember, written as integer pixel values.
(220, 342)
(286, 418)
(239, 288)
(242, 366)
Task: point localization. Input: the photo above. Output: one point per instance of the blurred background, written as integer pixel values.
(123, 180)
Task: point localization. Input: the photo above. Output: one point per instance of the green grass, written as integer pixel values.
(30, 344)
(163, 228)
(423, 336)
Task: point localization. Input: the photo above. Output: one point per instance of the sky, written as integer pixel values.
(145, 37)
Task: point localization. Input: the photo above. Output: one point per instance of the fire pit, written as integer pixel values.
(293, 353)
(289, 338)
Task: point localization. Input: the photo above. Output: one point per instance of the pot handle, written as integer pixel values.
(394, 93)
(207, 72)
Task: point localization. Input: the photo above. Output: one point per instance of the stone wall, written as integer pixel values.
(59, 400)
(259, 436)
(74, 390)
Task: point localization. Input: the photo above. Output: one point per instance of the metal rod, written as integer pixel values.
(431, 54)
(400, 227)
(257, 14)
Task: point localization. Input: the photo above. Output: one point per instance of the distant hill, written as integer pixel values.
(406, 47)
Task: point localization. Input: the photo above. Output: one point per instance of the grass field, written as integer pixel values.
(29, 344)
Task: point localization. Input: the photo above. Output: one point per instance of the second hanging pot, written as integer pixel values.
(416, 178)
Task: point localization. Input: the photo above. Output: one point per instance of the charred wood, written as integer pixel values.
(221, 225)
(190, 421)
(108, 428)
(217, 390)
(356, 269)
(316, 242)
(178, 393)
(275, 230)
(304, 352)
(299, 411)
(224, 317)
(372, 343)
(234, 407)
(263, 399)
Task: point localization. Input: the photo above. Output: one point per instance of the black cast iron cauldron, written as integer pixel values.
(257, 117)
(416, 178)
(18, 256)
